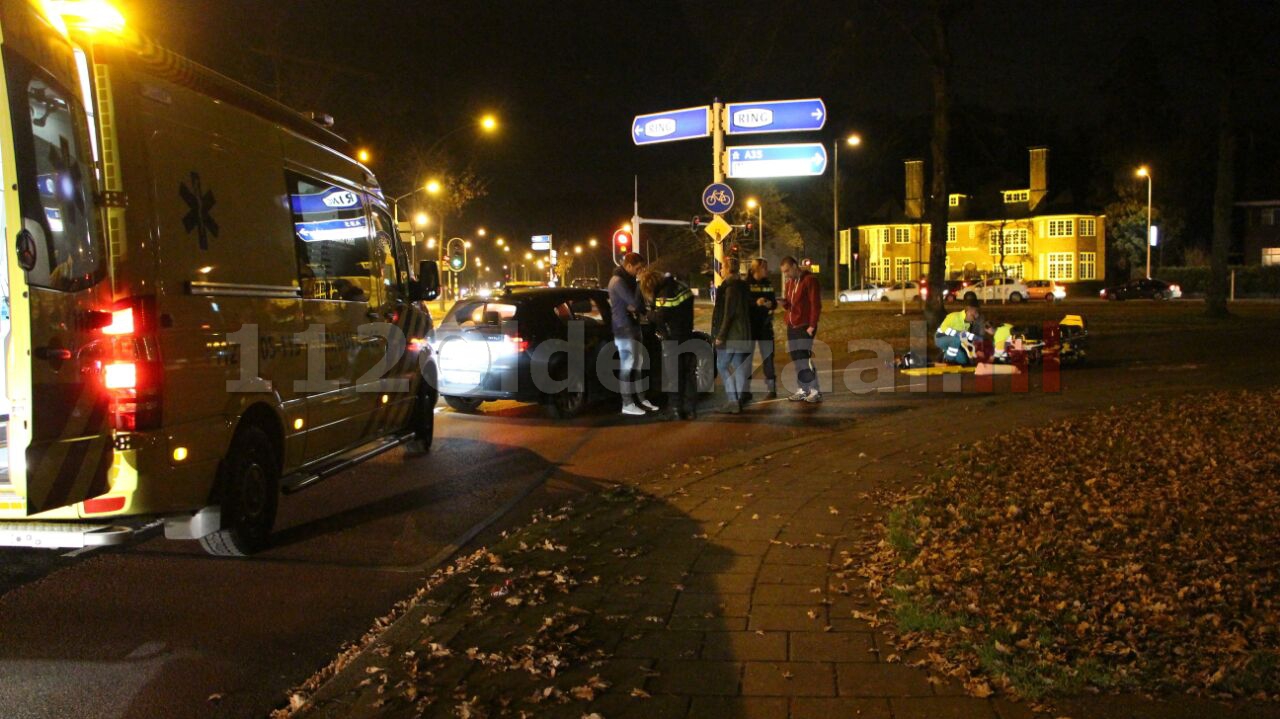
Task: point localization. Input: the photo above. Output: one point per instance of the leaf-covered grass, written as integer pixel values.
(1132, 549)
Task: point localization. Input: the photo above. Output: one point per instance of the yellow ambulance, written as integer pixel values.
(206, 302)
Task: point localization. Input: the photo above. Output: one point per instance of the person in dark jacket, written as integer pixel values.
(672, 317)
(731, 330)
(802, 300)
(626, 307)
(764, 300)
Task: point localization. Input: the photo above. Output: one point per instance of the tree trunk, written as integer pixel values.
(1224, 192)
(940, 62)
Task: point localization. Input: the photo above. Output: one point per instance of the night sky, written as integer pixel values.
(566, 78)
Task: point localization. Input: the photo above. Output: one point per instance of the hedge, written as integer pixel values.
(1251, 280)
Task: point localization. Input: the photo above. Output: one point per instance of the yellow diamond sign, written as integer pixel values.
(718, 228)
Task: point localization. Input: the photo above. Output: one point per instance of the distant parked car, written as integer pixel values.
(1046, 290)
(911, 290)
(586, 283)
(869, 293)
(955, 289)
(996, 289)
(1142, 289)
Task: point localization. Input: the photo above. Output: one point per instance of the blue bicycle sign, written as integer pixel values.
(717, 198)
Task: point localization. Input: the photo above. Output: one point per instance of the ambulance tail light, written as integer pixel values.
(133, 373)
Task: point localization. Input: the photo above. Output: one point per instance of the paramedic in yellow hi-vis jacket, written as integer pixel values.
(958, 332)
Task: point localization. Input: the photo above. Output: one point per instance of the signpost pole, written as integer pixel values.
(835, 221)
(635, 215)
(717, 172)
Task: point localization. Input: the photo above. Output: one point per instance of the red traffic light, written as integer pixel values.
(622, 238)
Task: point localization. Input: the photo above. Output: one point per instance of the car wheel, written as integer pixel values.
(1016, 297)
(1157, 296)
(249, 483)
(1050, 298)
(566, 404)
(884, 298)
(463, 404)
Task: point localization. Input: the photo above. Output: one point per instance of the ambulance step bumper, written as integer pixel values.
(61, 535)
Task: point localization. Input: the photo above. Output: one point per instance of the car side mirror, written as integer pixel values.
(427, 286)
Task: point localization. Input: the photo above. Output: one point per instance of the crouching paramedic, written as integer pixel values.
(957, 333)
(672, 316)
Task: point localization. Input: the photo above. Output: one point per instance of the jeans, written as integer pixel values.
(800, 346)
(629, 362)
(735, 370)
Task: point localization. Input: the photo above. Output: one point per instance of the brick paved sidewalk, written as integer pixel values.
(710, 589)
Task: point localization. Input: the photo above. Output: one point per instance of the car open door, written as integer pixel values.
(58, 439)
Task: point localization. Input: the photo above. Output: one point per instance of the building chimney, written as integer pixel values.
(1039, 176)
(914, 204)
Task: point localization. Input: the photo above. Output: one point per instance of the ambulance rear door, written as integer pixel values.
(54, 274)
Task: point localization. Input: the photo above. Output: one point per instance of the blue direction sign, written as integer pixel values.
(776, 116)
(798, 160)
(671, 125)
(717, 198)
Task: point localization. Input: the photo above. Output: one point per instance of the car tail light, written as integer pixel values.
(133, 374)
(518, 345)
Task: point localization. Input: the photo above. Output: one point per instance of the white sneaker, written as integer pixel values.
(633, 410)
(799, 396)
(648, 405)
(813, 397)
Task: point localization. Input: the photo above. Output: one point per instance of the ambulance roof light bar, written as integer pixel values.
(88, 15)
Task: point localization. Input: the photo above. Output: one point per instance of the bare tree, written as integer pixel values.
(1224, 191)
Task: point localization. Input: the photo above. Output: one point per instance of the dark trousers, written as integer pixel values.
(800, 346)
(682, 395)
(764, 343)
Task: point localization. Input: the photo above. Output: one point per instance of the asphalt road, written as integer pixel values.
(158, 629)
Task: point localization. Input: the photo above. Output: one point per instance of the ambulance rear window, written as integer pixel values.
(55, 176)
(331, 235)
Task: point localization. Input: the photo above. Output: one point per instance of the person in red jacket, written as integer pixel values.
(802, 301)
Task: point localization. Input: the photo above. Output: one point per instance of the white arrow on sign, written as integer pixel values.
(816, 114)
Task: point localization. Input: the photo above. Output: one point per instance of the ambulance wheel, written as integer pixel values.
(249, 478)
(424, 419)
(463, 404)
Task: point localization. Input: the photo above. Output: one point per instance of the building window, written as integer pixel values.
(884, 270)
(1271, 255)
(1011, 196)
(1088, 265)
(1015, 242)
(951, 234)
(1014, 271)
(1088, 227)
(954, 200)
(1268, 216)
(1061, 228)
(884, 235)
(1061, 266)
(902, 265)
(902, 235)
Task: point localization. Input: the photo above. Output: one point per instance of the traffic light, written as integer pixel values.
(456, 262)
(622, 239)
(749, 227)
(698, 222)
(734, 248)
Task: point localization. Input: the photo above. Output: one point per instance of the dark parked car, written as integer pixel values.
(1142, 289)
(586, 283)
(487, 349)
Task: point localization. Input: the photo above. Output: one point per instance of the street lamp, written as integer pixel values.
(501, 242)
(752, 204)
(466, 244)
(528, 256)
(1144, 172)
(363, 156)
(489, 123)
(592, 242)
(480, 232)
(852, 140)
(577, 249)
